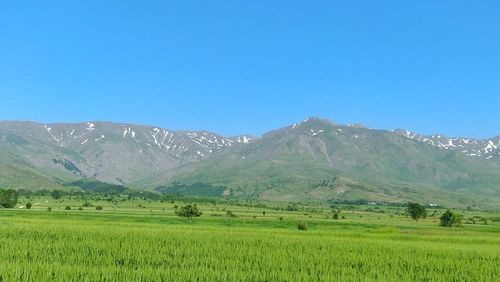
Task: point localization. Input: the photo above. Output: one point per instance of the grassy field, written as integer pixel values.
(145, 241)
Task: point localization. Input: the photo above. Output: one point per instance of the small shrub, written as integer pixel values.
(49, 209)
(87, 204)
(281, 218)
(80, 208)
(28, 206)
(230, 214)
(335, 216)
(302, 226)
(470, 220)
(98, 208)
(68, 208)
(343, 217)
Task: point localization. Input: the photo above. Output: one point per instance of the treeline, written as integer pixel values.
(362, 202)
(119, 195)
(126, 194)
(116, 195)
(92, 185)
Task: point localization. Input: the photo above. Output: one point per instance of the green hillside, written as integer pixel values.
(17, 174)
(322, 161)
(314, 160)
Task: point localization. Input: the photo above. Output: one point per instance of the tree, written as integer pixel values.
(416, 211)
(449, 219)
(188, 211)
(56, 194)
(8, 198)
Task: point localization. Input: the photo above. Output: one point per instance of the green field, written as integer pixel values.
(145, 241)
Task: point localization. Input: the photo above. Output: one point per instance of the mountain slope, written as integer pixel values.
(317, 159)
(488, 149)
(110, 152)
(314, 160)
(18, 174)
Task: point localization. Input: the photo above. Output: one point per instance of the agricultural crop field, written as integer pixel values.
(146, 241)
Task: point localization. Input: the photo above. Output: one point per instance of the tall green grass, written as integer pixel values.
(61, 247)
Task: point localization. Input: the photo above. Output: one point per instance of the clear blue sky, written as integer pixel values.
(251, 66)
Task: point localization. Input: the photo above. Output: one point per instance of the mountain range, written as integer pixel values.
(313, 160)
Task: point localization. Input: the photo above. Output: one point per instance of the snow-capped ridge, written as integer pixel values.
(468, 146)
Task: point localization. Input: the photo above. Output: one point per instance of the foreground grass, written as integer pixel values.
(131, 245)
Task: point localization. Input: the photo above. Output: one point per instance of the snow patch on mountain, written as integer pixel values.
(316, 132)
(468, 146)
